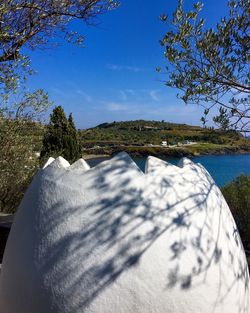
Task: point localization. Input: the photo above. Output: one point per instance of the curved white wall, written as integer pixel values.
(112, 239)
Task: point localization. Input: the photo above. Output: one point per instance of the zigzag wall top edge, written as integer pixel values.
(152, 163)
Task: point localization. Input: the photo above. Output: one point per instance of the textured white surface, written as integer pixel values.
(59, 162)
(50, 160)
(80, 164)
(111, 239)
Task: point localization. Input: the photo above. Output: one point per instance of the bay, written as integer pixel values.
(223, 168)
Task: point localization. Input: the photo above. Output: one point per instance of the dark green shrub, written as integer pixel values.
(237, 195)
(61, 137)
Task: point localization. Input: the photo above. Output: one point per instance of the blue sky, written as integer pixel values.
(113, 77)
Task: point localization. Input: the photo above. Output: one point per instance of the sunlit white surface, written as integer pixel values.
(112, 239)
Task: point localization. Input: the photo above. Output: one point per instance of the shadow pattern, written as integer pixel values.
(113, 239)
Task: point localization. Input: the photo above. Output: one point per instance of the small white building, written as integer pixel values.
(164, 143)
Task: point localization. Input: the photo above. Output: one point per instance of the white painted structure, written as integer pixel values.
(113, 239)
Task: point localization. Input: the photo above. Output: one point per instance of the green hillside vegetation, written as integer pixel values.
(20, 140)
(145, 137)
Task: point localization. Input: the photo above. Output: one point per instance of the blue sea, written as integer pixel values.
(223, 168)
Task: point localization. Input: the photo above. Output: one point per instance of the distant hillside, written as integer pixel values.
(142, 132)
(146, 125)
(147, 136)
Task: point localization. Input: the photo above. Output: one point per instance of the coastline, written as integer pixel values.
(166, 152)
(95, 156)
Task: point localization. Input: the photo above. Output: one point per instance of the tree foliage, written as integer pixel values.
(32, 23)
(25, 105)
(18, 161)
(237, 195)
(73, 140)
(61, 137)
(210, 66)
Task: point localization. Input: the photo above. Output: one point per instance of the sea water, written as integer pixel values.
(223, 168)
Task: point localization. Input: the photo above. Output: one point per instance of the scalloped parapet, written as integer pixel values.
(185, 162)
(113, 239)
(154, 164)
(49, 161)
(80, 164)
(59, 162)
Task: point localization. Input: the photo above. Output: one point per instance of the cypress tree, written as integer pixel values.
(73, 143)
(61, 137)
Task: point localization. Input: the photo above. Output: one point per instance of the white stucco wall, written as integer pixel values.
(112, 239)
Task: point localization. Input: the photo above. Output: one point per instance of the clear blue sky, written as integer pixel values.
(113, 77)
